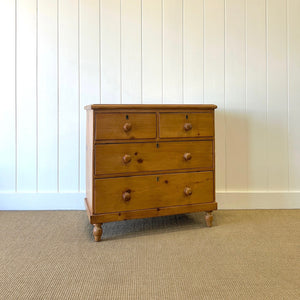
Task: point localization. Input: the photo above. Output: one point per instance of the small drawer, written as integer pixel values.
(144, 157)
(152, 191)
(182, 125)
(124, 126)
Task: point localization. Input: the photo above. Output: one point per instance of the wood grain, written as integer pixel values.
(151, 106)
(152, 191)
(111, 125)
(208, 218)
(97, 232)
(152, 156)
(148, 213)
(175, 125)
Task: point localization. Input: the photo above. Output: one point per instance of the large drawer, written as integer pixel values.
(125, 126)
(152, 191)
(143, 157)
(182, 125)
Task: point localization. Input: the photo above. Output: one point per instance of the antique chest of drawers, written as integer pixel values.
(149, 160)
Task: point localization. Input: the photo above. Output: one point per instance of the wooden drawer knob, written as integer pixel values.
(126, 158)
(127, 127)
(187, 126)
(187, 156)
(126, 196)
(187, 191)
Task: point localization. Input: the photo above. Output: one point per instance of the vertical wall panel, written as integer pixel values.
(26, 96)
(235, 102)
(214, 78)
(47, 96)
(193, 51)
(152, 51)
(110, 52)
(172, 51)
(131, 51)
(256, 95)
(89, 69)
(7, 111)
(68, 96)
(294, 93)
(277, 96)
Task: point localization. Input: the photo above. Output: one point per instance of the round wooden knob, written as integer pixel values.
(187, 191)
(126, 158)
(127, 127)
(187, 126)
(187, 156)
(126, 196)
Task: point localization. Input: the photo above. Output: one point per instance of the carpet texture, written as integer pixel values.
(245, 255)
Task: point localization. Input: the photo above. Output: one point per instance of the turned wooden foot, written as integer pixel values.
(97, 232)
(208, 218)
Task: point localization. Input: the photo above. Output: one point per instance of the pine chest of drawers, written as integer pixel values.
(149, 160)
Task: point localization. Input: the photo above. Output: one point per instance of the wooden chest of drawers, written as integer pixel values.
(149, 160)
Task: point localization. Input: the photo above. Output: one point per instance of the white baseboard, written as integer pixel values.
(258, 200)
(42, 201)
(75, 201)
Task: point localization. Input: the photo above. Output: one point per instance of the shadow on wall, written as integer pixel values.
(251, 151)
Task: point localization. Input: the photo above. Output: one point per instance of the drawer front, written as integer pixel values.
(152, 191)
(125, 126)
(176, 125)
(143, 157)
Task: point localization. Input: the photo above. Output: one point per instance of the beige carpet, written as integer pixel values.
(246, 255)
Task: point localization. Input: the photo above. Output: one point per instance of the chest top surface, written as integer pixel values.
(150, 107)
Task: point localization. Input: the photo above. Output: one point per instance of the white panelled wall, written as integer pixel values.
(57, 56)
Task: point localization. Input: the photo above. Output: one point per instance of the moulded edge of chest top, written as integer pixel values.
(155, 107)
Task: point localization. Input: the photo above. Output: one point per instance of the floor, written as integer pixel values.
(252, 254)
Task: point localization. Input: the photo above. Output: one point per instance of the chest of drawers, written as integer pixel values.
(148, 161)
